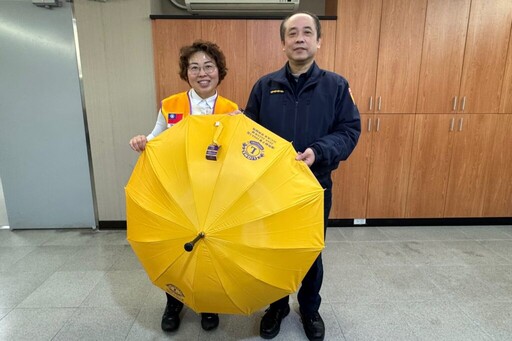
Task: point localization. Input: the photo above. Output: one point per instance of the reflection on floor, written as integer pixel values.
(381, 283)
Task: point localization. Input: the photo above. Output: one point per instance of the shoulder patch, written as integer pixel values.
(351, 95)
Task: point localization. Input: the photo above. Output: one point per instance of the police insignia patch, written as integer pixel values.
(351, 95)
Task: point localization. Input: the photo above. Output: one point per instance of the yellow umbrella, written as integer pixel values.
(221, 215)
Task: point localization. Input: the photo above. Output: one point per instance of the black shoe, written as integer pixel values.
(313, 326)
(171, 317)
(209, 321)
(271, 321)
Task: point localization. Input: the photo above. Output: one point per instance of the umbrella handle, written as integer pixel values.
(218, 130)
(190, 246)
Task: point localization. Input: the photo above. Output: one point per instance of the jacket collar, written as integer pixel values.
(280, 75)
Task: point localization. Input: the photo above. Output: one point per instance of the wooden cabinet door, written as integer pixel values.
(389, 165)
(357, 48)
(350, 180)
(506, 90)
(498, 184)
(473, 141)
(443, 53)
(401, 40)
(430, 165)
(485, 55)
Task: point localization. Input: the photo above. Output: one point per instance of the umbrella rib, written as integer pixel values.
(284, 208)
(228, 145)
(269, 166)
(168, 195)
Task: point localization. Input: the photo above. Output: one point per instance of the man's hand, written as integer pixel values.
(138, 143)
(236, 112)
(308, 156)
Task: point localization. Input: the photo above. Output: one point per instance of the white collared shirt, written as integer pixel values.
(198, 105)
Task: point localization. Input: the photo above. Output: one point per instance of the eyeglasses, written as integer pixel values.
(208, 69)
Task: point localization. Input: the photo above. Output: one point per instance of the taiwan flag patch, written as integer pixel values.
(173, 118)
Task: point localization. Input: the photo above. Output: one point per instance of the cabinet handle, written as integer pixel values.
(463, 105)
(369, 125)
(454, 103)
(379, 102)
(378, 125)
(452, 123)
(461, 120)
(371, 102)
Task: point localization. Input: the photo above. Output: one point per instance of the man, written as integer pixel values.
(315, 110)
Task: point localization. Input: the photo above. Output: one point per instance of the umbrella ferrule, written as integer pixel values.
(190, 246)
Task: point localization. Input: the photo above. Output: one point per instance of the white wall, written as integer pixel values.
(118, 75)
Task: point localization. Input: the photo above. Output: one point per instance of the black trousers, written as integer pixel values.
(309, 293)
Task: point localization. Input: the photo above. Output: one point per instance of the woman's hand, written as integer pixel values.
(138, 143)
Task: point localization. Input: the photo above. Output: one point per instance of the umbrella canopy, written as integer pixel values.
(222, 216)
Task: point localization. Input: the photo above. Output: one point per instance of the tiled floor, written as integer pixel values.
(381, 283)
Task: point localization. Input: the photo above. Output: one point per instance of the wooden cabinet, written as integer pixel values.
(470, 162)
(357, 48)
(400, 44)
(373, 182)
(379, 51)
(464, 55)
(428, 78)
(485, 55)
(389, 165)
(506, 90)
(430, 165)
(498, 182)
(350, 180)
(443, 55)
(450, 165)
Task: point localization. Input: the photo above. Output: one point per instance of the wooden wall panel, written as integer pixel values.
(506, 91)
(168, 37)
(327, 53)
(264, 51)
(230, 35)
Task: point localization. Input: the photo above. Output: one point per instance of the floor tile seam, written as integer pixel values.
(426, 278)
(66, 323)
(93, 288)
(494, 252)
(337, 322)
(409, 320)
(474, 321)
(8, 312)
(129, 330)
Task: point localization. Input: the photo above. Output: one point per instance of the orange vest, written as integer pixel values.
(180, 104)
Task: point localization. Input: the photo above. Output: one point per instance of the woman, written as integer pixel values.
(203, 66)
